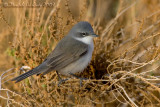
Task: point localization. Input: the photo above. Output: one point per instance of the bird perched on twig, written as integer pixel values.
(71, 55)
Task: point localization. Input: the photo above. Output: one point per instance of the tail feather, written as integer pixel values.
(25, 75)
(39, 69)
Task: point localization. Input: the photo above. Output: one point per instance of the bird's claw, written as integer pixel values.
(61, 81)
(81, 79)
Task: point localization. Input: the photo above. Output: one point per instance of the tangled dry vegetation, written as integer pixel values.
(125, 66)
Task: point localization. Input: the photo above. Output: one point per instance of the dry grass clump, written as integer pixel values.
(125, 67)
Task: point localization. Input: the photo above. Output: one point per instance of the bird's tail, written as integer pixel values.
(23, 76)
(39, 69)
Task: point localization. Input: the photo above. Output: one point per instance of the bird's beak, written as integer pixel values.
(94, 35)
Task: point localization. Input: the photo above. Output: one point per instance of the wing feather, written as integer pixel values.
(65, 53)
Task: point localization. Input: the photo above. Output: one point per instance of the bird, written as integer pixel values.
(71, 55)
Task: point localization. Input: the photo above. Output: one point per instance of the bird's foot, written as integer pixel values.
(62, 81)
(81, 79)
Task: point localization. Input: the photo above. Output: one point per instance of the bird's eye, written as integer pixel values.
(83, 34)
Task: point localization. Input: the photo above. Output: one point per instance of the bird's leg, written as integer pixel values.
(81, 79)
(60, 79)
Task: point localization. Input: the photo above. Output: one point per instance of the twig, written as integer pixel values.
(2, 76)
(116, 18)
(48, 18)
(127, 95)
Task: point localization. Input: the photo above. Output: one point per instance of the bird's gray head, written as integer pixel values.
(83, 32)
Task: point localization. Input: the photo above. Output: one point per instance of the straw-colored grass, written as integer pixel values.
(124, 70)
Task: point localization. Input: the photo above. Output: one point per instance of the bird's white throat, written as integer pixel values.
(87, 40)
